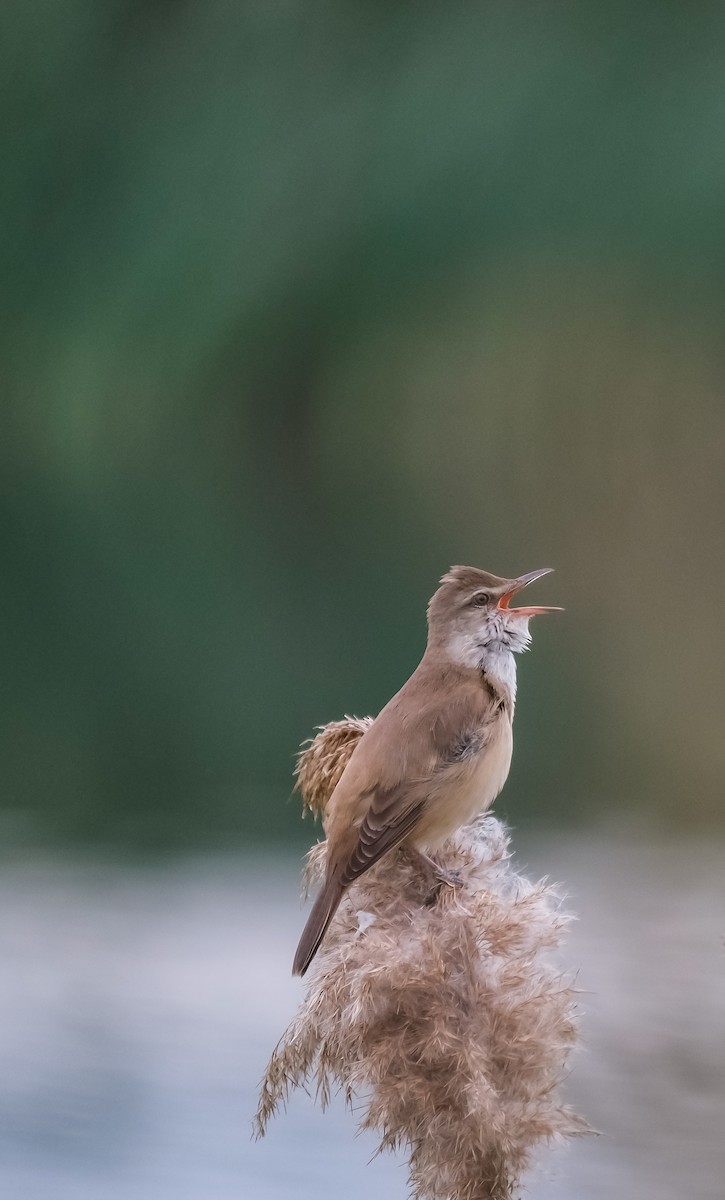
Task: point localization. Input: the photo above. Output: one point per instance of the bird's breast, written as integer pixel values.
(467, 788)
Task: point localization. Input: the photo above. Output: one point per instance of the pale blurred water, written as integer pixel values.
(138, 1007)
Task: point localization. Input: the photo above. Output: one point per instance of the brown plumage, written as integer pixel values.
(439, 752)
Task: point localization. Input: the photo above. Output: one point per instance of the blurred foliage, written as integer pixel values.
(303, 302)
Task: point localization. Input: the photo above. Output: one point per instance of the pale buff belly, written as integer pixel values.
(465, 790)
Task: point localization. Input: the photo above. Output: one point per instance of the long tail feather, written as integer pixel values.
(323, 910)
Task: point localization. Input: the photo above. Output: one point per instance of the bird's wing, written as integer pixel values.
(396, 765)
(389, 819)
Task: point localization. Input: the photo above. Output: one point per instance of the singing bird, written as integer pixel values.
(439, 753)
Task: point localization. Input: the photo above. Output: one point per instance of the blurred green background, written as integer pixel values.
(303, 302)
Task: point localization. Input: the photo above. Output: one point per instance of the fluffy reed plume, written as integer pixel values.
(438, 1009)
(323, 758)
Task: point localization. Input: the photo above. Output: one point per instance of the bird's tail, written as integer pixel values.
(323, 910)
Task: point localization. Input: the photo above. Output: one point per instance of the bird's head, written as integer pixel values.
(471, 613)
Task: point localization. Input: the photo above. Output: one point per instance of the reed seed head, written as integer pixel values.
(444, 1015)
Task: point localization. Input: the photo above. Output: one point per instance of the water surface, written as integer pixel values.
(138, 1007)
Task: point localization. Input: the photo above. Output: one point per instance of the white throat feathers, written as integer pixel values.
(500, 664)
(494, 653)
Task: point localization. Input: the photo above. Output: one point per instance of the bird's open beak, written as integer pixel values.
(522, 582)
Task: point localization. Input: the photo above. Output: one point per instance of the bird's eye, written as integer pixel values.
(480, 600)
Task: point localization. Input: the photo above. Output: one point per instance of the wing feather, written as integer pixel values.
(387, 822)
(439, 735)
